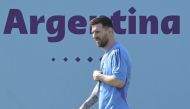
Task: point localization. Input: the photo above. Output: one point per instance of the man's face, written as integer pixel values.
(100, 35)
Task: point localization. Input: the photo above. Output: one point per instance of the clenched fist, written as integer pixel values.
(97, 75)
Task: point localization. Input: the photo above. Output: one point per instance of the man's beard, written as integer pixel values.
(102, 42)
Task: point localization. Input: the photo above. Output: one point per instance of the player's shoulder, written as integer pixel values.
(119, 49)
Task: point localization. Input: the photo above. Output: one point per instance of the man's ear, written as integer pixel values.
(110, 30)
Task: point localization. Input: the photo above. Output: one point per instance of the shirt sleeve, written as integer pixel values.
(119, 65)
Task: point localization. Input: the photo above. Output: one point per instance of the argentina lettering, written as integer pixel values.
(77, 24)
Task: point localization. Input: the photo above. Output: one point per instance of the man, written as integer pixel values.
(113, 77)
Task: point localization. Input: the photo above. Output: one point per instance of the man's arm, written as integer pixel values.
(93, 98)
(110, 80)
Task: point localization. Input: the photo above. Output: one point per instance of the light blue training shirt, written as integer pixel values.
(115, 62)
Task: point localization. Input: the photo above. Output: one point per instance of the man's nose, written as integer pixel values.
(94, 36)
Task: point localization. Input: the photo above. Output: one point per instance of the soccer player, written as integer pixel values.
(114, 73)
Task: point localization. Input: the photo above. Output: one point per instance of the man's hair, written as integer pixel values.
(105, 21)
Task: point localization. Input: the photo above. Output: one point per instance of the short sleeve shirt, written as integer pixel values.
(115, 62)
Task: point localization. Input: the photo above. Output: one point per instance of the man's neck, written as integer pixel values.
(109, 45)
